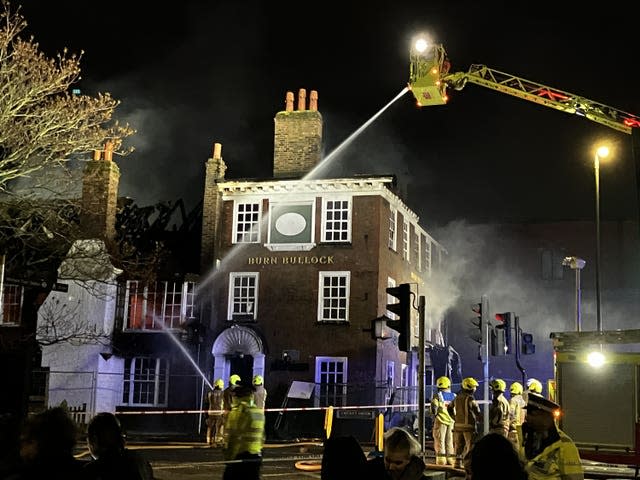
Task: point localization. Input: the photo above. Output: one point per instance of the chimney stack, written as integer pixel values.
(100, 195)
(211, 208)
(297, 143)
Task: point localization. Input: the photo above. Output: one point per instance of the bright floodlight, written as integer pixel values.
(421, 45)
(595, 359)
(602, 151)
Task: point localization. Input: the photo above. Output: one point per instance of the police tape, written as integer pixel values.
(379, 408)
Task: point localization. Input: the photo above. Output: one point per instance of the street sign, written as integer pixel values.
(356, 414)
(60, 287)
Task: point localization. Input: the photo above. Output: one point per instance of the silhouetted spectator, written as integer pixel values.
(9, 442)
(494, 457)
(402, 458)
(46, 447)
(342, 459)
(112, 461)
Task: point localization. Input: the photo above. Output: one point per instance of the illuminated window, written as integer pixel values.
(333, 297)
(331, 380)
(243, 295)
(393, 217)
(158, 305)
(336, 221)
(246, 228)
(146, 381)
(12, 296)
(405, 240)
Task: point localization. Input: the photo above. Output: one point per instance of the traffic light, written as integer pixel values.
(402, 309)
(498, 346)
(504, 324)
(528, 348)
(475, 332)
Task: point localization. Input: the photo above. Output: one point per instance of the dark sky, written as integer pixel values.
(193, 73)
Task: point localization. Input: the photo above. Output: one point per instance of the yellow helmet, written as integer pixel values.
(469, 383)
(234, 379)
(498, 385)
(219, 383)
(534, 385)
(516, 388)
(258, 380)
(443, 382)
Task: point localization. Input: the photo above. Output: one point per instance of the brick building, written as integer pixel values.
(295, 270)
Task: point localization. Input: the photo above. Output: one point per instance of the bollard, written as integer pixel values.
(328, 421)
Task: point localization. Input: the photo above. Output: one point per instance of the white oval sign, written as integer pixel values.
(290, 224)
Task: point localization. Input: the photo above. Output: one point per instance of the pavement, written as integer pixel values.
(174, 457)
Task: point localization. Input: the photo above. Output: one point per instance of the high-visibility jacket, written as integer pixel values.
(466, 412)
(244, 429)
(439, 406)
(214, 398)
(558, 461)
(516, 411)
(260, 396)
(499, 412)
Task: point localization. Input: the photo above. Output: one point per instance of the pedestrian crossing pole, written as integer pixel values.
(486, 331)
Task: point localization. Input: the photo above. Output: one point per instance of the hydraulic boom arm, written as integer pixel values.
(430, 78)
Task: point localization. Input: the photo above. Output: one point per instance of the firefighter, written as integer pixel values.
(499, 409)
(260, 395)
(465, 414)
(549, 452)
(215, 417)
(227, 395)
(443, 422)
(244, 436)
(516, 412)
(533, 386)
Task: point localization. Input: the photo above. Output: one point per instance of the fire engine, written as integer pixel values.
(600, 404)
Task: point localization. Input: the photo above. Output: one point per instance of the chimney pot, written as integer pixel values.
(217, 151)
(96, 155)
(289, 102)
(313, 100)
(302, 96)
(108, 151)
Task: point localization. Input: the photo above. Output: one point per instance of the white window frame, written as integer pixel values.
(405, 240)
(167, 291)
(144, 386)
(416, 247)
(331, 378)
(11, 299)
(333, 296)
(253, 233)
(426, 257)
(393, 228)
(391, 282)
(343, 224)
(243, 298)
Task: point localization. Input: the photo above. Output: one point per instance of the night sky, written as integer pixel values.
(195, 73)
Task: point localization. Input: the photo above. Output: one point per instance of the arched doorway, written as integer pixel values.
(238, 349)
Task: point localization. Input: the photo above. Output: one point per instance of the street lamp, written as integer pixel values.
(576, 264)
(601, 152)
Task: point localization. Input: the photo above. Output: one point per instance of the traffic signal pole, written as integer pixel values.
(516, 323)
(484, 354)
(421, 367)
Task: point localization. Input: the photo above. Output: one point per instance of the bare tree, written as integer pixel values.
(43, 123)
(46, 133)
(61, 322)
